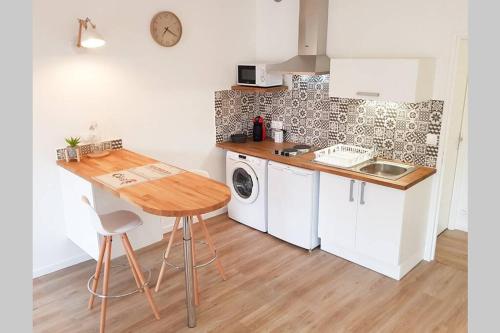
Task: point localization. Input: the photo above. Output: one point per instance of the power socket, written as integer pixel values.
(276, 124)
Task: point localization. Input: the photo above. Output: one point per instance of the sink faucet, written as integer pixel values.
(375, 153)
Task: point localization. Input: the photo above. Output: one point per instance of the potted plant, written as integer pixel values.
(72, 151)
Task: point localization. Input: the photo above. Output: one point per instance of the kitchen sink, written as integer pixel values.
(384, 169)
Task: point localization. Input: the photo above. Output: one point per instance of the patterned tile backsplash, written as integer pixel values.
(407, 132)
(86, 148)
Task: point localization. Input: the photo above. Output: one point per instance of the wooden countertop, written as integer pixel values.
(184, 194)
(265, 149)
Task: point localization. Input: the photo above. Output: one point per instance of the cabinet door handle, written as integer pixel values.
(351, 190)
(362, 197)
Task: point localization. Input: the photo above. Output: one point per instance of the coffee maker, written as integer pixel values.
(259, 129)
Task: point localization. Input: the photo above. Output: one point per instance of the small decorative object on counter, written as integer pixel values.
(278, 136)
(278, 133)
(72, 151)
(259, 129)
(238, 138)
(93, 133)
(98, 150)
(86, 148)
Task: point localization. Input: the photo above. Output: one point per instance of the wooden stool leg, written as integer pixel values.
(147, 291)
(211, 246)
(134, 273)
(107, 267)
(167, 251)
(195, 272)
(97, 274)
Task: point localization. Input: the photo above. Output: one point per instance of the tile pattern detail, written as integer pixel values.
(87, 148)
(407, 132)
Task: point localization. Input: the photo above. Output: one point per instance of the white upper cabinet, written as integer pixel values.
(398, 80)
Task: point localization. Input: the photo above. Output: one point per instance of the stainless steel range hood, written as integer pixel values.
(311, 58)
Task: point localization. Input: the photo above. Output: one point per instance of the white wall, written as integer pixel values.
(277, 30)
(159, 100)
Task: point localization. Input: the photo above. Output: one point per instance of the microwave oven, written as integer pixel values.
(257, 75)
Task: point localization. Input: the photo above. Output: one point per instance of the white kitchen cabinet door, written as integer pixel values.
(78, 226)
(385, 79)
(379, 222)
(338, 197)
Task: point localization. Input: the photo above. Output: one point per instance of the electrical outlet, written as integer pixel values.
(431, 139)
(277, 124)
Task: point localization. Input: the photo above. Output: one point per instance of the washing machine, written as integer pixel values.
(247, 178)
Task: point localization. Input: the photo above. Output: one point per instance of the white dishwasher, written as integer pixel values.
(293, 204)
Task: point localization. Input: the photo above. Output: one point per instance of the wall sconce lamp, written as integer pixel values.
(88, 36)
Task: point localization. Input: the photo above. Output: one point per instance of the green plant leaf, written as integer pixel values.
(72, 141)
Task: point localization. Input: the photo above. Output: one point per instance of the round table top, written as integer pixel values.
(183, 194)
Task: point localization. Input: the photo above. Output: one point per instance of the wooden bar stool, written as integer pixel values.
(208, 240)
(117, 223)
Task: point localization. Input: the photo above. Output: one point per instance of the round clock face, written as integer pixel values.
(166, 29)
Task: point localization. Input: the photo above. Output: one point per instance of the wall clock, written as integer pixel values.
(166, 29)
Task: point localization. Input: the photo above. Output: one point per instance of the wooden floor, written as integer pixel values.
(271, 287)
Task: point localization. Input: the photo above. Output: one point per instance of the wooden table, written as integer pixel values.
(182, 195)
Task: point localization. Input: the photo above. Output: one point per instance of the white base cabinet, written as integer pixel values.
(79, 228)
(375, 226)
(292, 213)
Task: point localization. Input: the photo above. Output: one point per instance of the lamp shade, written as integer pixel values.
(91, 38)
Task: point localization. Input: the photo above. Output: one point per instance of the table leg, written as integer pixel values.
(188, 272)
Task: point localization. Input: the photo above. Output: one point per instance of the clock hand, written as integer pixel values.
(164, 32)
(171, 32)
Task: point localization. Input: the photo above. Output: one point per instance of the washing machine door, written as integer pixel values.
(244, 183)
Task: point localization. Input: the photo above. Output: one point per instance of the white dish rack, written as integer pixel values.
(343, 156)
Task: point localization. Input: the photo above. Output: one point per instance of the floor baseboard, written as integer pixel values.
(60, 265)
(84, 257)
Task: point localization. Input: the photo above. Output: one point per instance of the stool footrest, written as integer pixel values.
(211, 260)
(92, 277)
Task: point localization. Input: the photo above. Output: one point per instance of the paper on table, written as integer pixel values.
(133, 176)
(120, 179)
(156, 171)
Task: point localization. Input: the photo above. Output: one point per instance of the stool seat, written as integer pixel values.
(119, 222)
